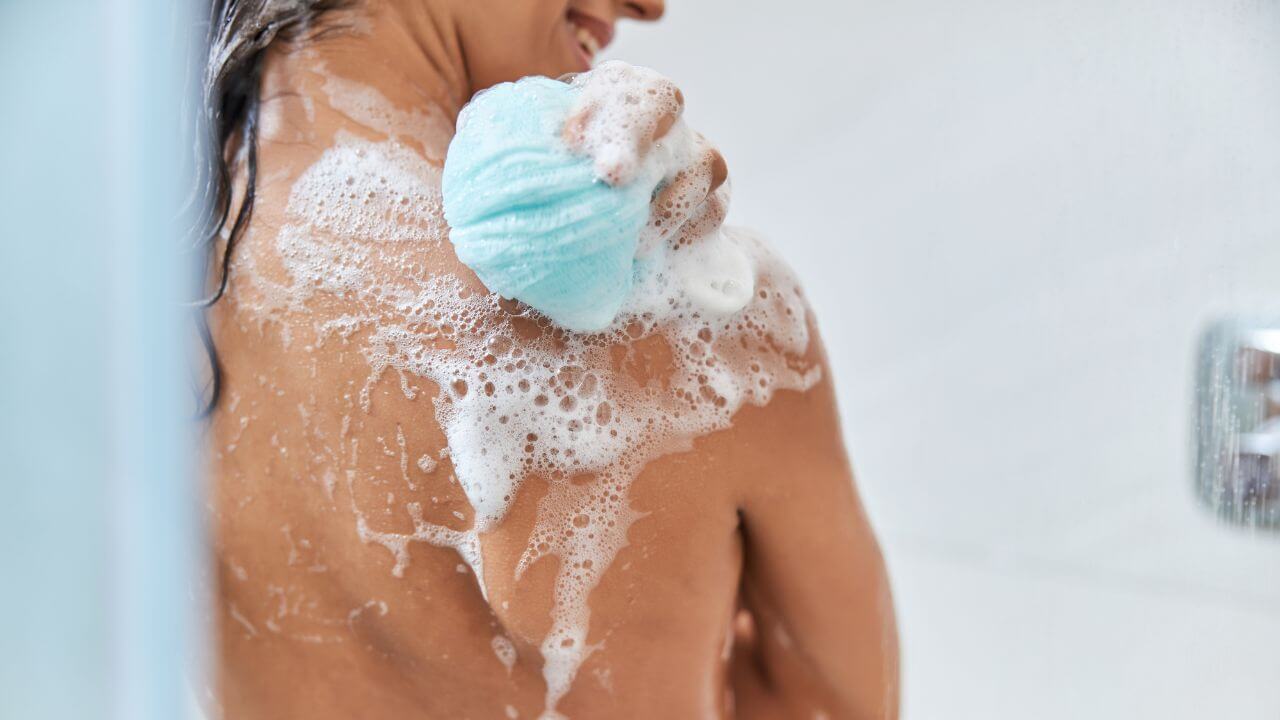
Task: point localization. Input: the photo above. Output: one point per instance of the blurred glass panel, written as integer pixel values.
(99, 527)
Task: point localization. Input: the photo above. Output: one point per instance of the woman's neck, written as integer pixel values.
(407, 54)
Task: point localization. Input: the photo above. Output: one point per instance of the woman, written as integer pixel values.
(710, 559)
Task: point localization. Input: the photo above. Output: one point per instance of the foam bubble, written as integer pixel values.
(505, 651)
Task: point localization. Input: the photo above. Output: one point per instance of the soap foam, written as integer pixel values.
(618, 115)
(553, 405)
(425, 125)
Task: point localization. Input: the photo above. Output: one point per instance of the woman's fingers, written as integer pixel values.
(668, 118)
(621, 113)
(618, 121)
(689, 202)
(719, 169)
(575, 129)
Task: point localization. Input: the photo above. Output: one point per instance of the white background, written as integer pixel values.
(1013, 219)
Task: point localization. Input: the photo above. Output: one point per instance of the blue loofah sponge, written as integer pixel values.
(530, 218)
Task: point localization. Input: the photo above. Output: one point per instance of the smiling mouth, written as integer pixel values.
(588, 35)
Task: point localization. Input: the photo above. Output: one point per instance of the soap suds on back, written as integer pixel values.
(512, 406)
(424, 125)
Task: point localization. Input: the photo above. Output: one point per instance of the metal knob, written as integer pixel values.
(1238, 422)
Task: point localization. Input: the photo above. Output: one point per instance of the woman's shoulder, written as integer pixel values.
(347, 217)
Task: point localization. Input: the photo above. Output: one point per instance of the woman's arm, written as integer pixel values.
(823, 639)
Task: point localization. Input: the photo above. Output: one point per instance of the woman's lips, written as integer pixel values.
(588, 35)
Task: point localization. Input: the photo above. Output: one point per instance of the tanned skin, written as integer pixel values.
(752, 585)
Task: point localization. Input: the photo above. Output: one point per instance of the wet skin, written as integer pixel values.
(752, 585)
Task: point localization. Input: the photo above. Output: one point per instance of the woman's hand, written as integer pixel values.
(693, 203)
(624, 112)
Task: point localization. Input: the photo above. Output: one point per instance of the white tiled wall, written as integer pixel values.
(1013, 219)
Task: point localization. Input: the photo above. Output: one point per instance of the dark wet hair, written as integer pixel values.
(238, 35)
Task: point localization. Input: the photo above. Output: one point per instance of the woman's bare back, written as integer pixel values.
(718, 565)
